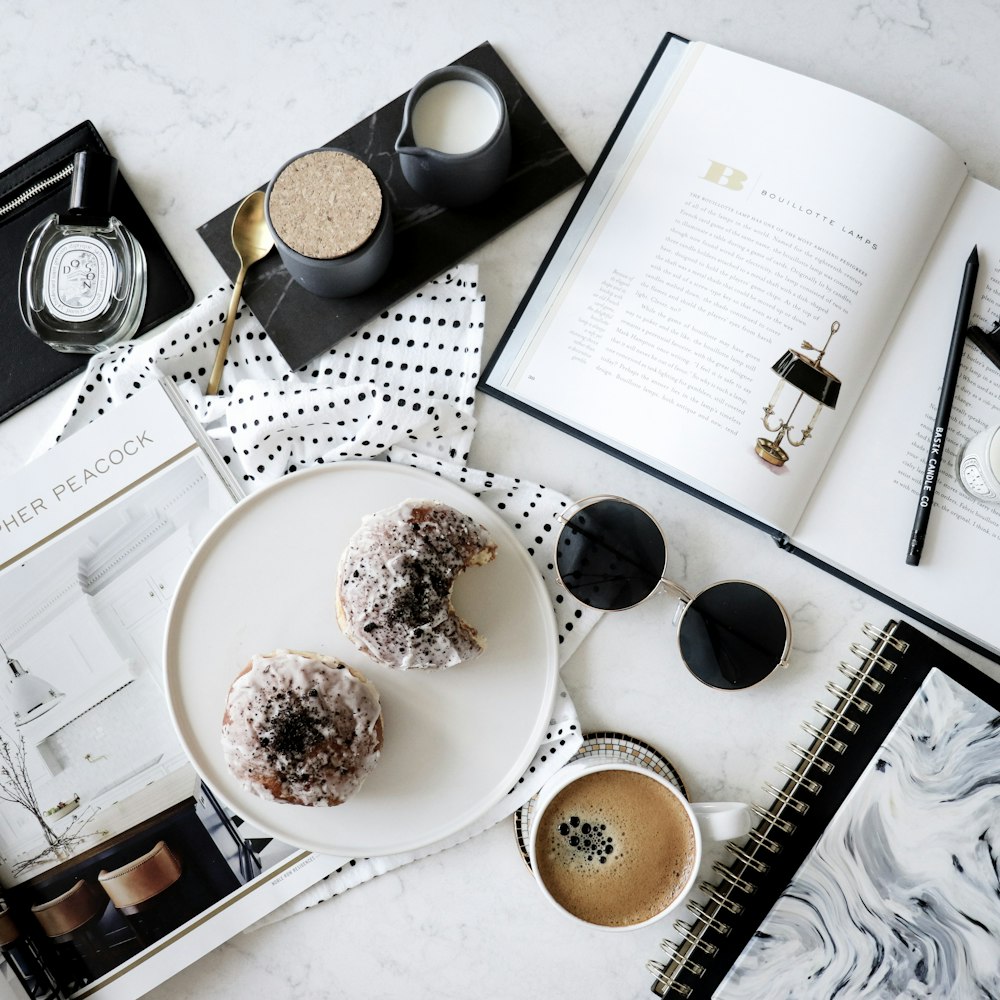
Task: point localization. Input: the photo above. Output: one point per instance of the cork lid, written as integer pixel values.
(325, 204)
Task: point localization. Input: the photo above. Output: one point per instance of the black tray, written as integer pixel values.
(428, 239)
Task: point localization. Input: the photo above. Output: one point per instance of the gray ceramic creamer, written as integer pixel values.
(454, 147)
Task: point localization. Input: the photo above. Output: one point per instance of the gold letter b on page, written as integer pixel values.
(727, 177)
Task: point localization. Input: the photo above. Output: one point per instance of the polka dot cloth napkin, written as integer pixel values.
(400, 389)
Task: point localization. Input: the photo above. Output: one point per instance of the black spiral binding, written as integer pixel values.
(722, 906)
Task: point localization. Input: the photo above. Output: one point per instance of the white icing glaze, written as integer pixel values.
(395, 579)
(301, 727)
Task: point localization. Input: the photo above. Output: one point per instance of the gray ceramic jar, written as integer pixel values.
(466, 173)
(331, 222)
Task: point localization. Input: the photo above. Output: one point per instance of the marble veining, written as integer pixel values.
(898, 898)
(202, 101)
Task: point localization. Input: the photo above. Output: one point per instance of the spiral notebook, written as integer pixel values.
(873, 870)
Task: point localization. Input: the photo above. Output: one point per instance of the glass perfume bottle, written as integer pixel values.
(83, 274)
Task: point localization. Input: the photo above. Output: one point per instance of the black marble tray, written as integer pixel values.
(428, 239)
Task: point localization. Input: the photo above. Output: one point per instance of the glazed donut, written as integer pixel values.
(395, 580)
(302, 728)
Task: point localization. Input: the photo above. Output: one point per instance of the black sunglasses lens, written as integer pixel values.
(610, 555)
(732, 635)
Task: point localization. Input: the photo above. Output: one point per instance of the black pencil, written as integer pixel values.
(936, 451)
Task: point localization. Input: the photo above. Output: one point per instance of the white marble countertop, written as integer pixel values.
(202, 100)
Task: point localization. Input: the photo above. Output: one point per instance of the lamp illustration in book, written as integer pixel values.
(807, 377)
(28, 694)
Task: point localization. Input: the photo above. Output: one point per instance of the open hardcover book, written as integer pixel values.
(753, 297)
(118, 866)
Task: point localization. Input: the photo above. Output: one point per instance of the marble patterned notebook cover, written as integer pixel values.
(899, 896)
(428, 239)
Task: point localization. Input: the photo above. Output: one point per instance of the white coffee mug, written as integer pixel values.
(582, 882)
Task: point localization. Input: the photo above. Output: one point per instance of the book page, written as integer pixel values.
(755, 211)
(898, 896)
(862, 514)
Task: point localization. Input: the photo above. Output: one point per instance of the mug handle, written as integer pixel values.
(722, 820)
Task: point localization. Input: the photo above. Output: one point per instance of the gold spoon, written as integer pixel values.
(252, 242)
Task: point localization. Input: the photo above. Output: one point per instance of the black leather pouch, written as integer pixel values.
(30, 190)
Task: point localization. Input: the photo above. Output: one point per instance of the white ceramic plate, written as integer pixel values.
(456, 740)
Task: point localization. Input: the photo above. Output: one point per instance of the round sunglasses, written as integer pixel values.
(611, 555)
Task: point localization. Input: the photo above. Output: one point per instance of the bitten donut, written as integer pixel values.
(301, 728)
(395, 580)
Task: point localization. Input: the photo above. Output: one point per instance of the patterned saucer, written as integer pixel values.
(614, 746)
